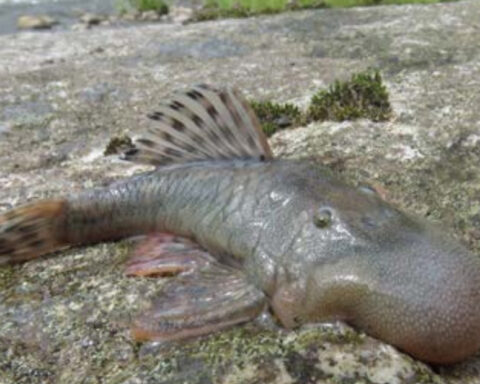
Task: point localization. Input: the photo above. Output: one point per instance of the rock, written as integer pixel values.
(4, 129)
(131, 16)
(180, 14)
(150, 16)
(36, 22)
(79, 27)
(64, 318)
(91, 19)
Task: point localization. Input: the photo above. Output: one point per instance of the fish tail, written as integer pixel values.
(32, 230)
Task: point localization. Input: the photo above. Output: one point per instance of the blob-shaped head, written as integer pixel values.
(396, 277)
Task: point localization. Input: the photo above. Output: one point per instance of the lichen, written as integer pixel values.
(363, 96)
(274, 116)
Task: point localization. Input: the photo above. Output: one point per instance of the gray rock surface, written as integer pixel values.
(64, 95)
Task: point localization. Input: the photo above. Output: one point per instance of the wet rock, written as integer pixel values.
(36, 22)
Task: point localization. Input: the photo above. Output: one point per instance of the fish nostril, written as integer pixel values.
(369, 222)
(322, 217)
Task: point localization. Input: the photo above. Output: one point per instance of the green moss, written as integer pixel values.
(274, 116)
(7, 276)
(117, 145)
(423, 375)
(363, 96)
(240, 344)
(158, 6)
(218, 9)
(357, 3)
(209, 12)
(324, 334)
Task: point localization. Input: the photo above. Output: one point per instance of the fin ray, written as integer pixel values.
(214, 298)
(163, 254)
(202, 123)
(31, 231)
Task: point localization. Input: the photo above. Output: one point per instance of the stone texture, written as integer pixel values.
(63, 95)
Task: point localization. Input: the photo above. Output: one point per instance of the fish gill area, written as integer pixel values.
(65, 94)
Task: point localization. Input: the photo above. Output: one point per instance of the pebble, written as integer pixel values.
(180, 14)
(36, 22)
(92, 19)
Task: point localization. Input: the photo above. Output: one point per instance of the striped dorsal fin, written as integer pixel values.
(202, 123)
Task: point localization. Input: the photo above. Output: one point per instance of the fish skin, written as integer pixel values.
(394, 276)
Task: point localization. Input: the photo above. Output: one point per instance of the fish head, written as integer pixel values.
(392, 275)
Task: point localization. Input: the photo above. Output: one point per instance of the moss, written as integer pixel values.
(363, 96)
(212, 12)
(424, 375)
(7, 277)
(118, 144)
(361, 3)
(274, 116)
(216, 10)
(158, 6)
(324, 334)
(240, 344)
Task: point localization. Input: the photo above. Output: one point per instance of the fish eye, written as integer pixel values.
(322, 218)
(368, 189)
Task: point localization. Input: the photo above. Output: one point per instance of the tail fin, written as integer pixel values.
(31, 231)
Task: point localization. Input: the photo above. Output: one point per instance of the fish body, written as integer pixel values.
(248, 213)
(264, 231)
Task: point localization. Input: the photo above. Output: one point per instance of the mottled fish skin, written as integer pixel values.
(371, 265)
(316, 248)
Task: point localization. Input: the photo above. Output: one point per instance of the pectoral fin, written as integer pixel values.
(164, 254)
(198, 303)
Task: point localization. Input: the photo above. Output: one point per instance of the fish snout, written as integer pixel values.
(429, 303)
(423, 298)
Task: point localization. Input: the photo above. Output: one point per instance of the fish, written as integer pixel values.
(242, 233)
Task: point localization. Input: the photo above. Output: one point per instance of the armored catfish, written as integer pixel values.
(245, 231)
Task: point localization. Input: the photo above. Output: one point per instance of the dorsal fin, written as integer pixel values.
(202, 123)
